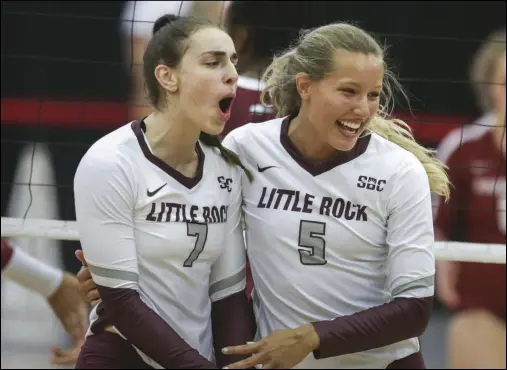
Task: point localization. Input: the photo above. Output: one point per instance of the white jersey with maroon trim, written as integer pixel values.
(144, 226)
(331, 239)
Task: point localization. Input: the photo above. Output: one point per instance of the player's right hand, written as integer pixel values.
(86, 284)
(447, 280)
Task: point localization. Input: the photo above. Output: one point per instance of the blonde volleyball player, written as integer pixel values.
(338, 217)
(158, 206)
(61, 290)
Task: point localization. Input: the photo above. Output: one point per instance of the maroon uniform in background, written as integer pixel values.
(476, 213)
(247, 107)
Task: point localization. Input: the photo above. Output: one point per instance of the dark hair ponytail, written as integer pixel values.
(164, 21)
(228, 155)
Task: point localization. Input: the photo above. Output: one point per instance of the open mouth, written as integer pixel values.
(351, 127)
(225, 104)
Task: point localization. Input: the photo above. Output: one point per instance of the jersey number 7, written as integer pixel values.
(200, 231)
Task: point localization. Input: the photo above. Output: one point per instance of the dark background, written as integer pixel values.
(69, 51)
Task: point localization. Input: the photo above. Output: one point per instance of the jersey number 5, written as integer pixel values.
(311, 239)
(200, 231)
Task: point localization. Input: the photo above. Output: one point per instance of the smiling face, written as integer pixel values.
(339, 106)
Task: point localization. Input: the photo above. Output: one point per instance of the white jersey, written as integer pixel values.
(176, 240)
(336, 238)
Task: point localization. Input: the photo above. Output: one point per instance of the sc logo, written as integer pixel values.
(225, 183)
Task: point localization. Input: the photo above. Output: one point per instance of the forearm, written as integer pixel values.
(29, 272)
(398, 320)
(233, 324)
(147, 331)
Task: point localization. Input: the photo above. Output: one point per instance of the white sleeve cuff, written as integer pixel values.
(32, 274)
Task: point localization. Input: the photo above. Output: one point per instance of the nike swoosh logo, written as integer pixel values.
(152, 193)
(262, 169)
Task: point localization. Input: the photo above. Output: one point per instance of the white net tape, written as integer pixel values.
(67, 230)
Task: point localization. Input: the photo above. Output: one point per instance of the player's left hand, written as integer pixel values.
(282, 349)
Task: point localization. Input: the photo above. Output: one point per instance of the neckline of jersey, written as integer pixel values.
(139, 128)
(316, 169)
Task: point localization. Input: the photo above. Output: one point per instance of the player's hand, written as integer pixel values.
(447, 280)
(282, 349)
(70, 308)
(65, 357)
(86, 284)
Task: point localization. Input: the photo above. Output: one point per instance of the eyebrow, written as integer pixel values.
(219, 53)
(357, 85)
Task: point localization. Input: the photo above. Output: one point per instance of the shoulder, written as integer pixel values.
(393, 156)
(111, 154)
(463, 139)
(217, 165)
(404, 174)
(251, 132)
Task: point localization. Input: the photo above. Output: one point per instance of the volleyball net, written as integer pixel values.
(67, 230)
(58, 97)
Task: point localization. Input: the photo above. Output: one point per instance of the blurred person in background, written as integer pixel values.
(260, 29)
(59, 288)
(475, 154)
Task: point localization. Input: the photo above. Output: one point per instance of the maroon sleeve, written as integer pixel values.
(7, 252)
(400, 319)
(233, 324)
(148, 331)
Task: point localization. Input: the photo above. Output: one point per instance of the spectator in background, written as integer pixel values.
(476, 213)
(260, 29)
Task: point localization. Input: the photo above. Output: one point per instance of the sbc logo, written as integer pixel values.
(370, 183)
(225, 183)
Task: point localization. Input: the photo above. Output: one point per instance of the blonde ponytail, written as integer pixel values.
(280, 86)
(399, 133)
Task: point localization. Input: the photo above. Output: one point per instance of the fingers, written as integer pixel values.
(83, 274)
(245, 349)
(87, 286)
(247, 363)
(80, 256)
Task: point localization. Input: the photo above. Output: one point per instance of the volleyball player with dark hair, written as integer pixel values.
(158, 206)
